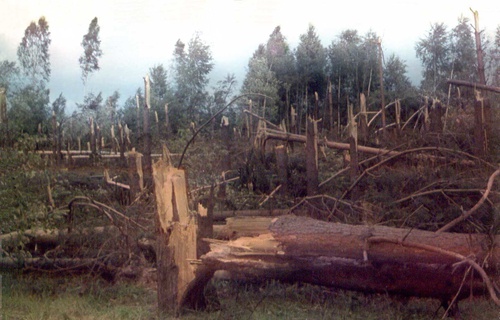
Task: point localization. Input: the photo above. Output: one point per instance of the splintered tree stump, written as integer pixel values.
(299, 249)
(135, 173)
(177, 243)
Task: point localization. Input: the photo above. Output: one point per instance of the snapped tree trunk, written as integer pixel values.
(482, 107)
(312, 157)
(147, 131)
(358, 257)
(177, 242)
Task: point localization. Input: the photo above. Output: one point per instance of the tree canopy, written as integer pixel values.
(91, 43)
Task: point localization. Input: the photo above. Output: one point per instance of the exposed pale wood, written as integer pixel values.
(243, 227)
(285, 136)
(135, 173)
(222, 215)
(110, 181)
(340, 255)
(177, 240)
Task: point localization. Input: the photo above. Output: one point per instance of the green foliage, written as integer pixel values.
(261, 79)
(29, 110)
(434, 52)
(89, 60)
(463, 50)
(494, 60)
(9, 76)
(396, 82)
(311, 62)
(23, 176)
(33, 52)
(192, 67)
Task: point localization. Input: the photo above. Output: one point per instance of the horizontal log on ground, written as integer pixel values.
(54, 237)
(285, 136)
(60, 264)
(222, 215)
(340, 255)
(474, 85)
(103, 153)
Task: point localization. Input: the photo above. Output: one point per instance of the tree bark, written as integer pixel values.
(312, 157)
(285, 136)
(147, 132)
(482, 107)
(474, 85)
(355, 258)
(282, 164)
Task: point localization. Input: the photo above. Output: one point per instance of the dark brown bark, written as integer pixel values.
(343, 256)
(312, 157)
(330, 105)
(222, 215)
(282, 164)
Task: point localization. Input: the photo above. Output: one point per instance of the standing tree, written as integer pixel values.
(463, 51)
(30, 106)
(161, 95)
(33, 52)
(282, 62)
(261, 80)
(353, 66)
(89, 60)
(112, 106)
(58, 117)
(311, 63)
(434, 52)
(9, 75)
(396, 82)
(192, 67)
(494, 60)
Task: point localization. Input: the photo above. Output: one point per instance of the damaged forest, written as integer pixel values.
(325, 186)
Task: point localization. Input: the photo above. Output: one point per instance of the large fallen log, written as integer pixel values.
(363, 258)
(474, 85)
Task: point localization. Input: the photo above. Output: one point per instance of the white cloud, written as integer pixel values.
(139, 34)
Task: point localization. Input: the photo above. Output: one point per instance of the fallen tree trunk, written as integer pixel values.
(343, 256)
(285, 136)
(223, 215)
(474, 85)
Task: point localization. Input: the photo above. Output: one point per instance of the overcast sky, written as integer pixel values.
(137, 35)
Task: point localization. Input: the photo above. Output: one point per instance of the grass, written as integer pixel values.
(29, 297)
(85, 297)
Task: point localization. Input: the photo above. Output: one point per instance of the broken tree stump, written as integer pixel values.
(135, 174)
(312, 157)
(177, 242)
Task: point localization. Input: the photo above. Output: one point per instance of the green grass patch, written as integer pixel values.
(85, 297)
